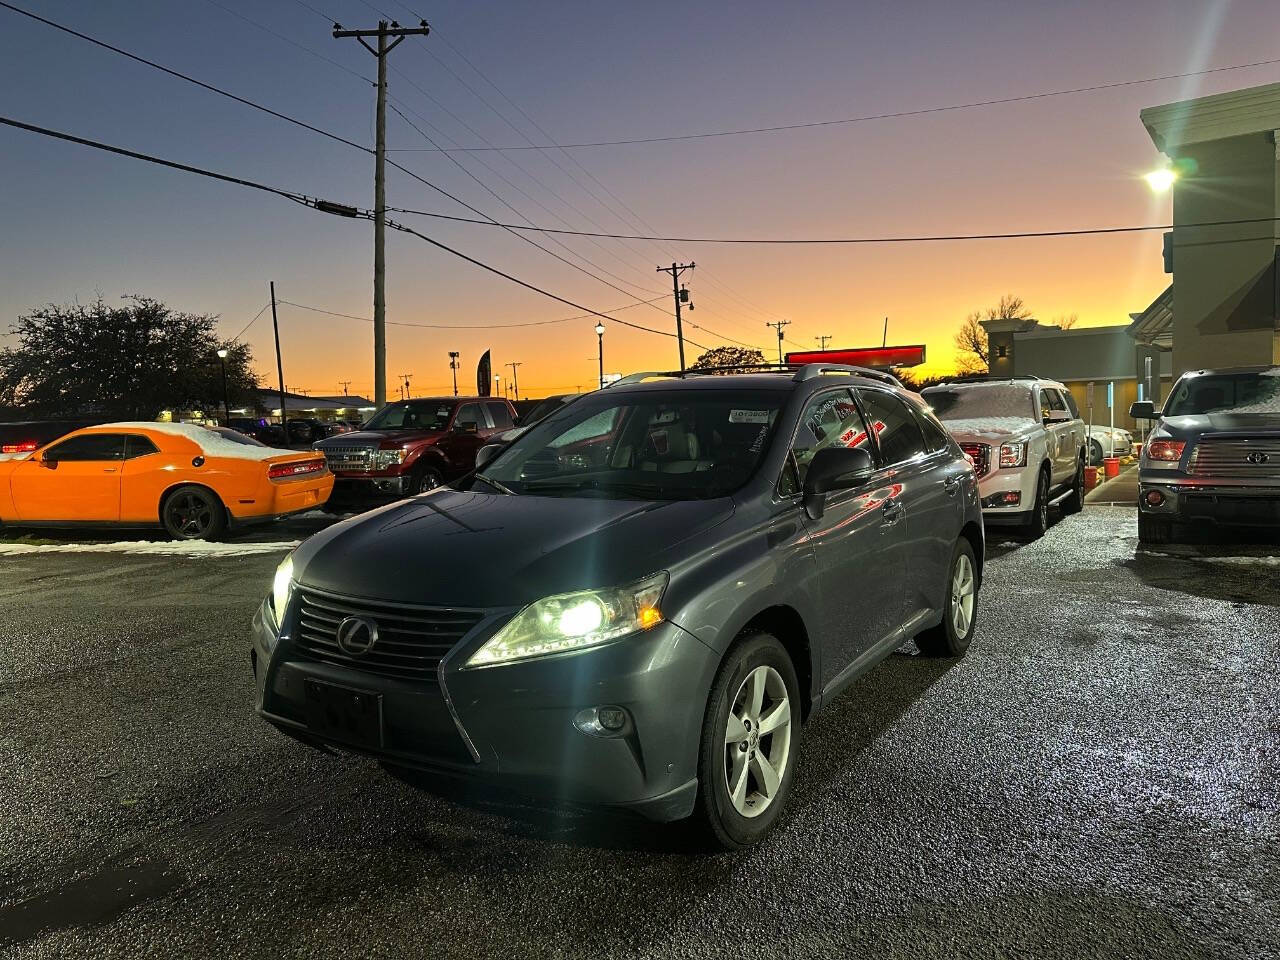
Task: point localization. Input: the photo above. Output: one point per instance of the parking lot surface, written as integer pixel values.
(1097, 778)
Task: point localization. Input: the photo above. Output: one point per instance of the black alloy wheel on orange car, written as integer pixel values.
(193, 513)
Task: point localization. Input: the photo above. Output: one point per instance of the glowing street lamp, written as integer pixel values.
(1161, 180)
(600, 343)
(226, 405)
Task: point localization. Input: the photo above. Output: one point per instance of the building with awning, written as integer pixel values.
(267, 404)
(1221, 309)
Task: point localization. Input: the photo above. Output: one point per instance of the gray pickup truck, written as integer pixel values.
(1213, 455)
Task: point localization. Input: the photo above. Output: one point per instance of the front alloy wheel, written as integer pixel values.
(749, 742)
(757, 741)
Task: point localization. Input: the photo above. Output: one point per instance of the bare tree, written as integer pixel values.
(1066, 320)
(972, 351)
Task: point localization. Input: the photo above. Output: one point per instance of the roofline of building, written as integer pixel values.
(1217, 117)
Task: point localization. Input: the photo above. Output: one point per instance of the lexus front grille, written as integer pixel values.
(408, 641)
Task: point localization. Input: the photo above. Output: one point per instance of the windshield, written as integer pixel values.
(1223, 392)
(427, 415)
(669, 445)
(981, 401)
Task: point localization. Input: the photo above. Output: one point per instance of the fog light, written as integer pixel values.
(1154, 498)
(601, 721)
(1005, 498)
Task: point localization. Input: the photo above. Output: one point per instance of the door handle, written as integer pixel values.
(109, 469)
(891, 512)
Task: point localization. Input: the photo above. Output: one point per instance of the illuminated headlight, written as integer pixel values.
(575, 621)
(388, 458)
(282, 588)
(1013, 454)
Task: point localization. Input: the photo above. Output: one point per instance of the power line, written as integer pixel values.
(251, 322)
(920, 238)
(923, 111)
(460, 326)
(328, 207)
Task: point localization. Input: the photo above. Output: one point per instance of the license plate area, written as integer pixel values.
(344, 714)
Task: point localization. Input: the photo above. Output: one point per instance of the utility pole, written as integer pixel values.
(884, 341)
(822, 340)
(346, 387)
(454, 365)
(515, 380)
(406, 377)
(779, 325)
(383, 31)
(275, 326)
(680, 296)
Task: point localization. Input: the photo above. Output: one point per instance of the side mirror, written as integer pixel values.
(1057, 416)
(1142, 410)
(466, 426)
(485, 454)
(834, 468)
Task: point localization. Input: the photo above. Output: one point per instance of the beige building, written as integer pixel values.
(1223, 304)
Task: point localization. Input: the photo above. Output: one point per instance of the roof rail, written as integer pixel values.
(810, 370)
(961, 383)
(798, 371)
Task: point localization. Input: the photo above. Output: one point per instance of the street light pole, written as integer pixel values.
(453, 365)
(226, 405)
(600, 344)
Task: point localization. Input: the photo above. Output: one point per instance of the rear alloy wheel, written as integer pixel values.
(1154, 529)
(951, 637)
(750, 737)
(1095, 453)
(1037, 521)
(193, 513)
(1073, 502)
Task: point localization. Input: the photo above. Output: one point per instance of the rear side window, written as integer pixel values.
(88, 447)
(500, 416)
(136, 445)
(935, 435)
(895, 426)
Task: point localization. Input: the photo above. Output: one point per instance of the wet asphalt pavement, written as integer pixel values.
(1097, 778)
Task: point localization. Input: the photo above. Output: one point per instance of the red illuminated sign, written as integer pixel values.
(878, 357)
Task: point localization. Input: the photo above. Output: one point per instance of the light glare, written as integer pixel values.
(1160, 180)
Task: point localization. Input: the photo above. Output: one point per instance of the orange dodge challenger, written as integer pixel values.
(194, 481)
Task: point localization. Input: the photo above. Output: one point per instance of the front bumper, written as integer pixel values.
(1193, 500)
(348, 489)
(1007, 495)
(513, 725)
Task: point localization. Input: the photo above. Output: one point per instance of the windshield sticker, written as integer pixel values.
(748, 416)
(442, 411)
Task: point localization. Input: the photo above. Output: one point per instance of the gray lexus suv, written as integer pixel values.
(640, 601)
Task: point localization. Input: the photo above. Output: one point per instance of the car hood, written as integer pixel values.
(468, 549)
(991, 429)
(1251, 424)
(377, 438)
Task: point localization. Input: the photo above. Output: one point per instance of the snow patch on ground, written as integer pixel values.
(153, 548)
(1259, 560)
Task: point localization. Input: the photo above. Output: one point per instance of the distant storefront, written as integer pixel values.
(1078, 357)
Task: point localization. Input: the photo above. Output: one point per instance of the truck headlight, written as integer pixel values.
(388, 458)
(282, 588)
(1013, 454)
(575, 621)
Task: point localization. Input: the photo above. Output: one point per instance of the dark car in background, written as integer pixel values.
(638, 602)
(260, 429)
(1213, 456)
(21, 437)
(411, 446)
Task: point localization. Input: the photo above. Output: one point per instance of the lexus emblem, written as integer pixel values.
(1257, 457)
(356, 636)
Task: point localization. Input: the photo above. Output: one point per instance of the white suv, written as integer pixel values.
(1027, 443)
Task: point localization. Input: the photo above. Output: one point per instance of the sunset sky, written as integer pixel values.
(77, 222)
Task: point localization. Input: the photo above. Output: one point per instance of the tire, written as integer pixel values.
(951, 637)
(1037, 521)
(1095, 453)
(1154, 529)
(424, 479)
(737, 819)
(1073, 502)
(192, 512)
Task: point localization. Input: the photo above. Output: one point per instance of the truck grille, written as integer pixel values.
(348, 458)
(411, 640)
(1236, 457)
(980, 453)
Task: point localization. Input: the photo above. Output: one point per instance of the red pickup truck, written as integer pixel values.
(411, 446)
